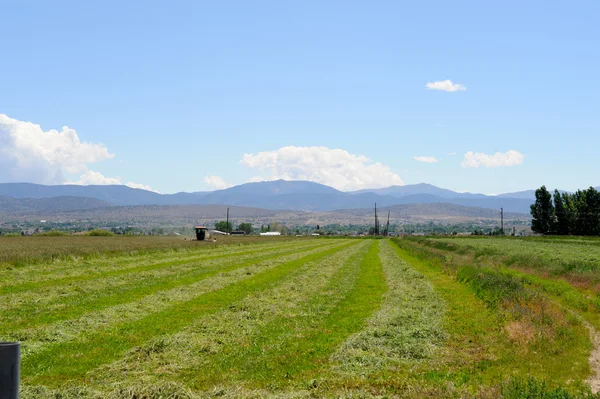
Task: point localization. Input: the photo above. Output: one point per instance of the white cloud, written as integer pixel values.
(477, 159)
(334, 167)
(27, 153)
(426, 159)
(452, 154)
(30, 154)
(256, 179)
(445, 85)
(216, 182)
(141, 186)
(98, 179)
(91, 178)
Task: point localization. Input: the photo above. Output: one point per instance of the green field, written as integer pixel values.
(300, 317)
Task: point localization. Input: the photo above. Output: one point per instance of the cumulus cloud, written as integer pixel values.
(477, 159)
(141, 186)
(28, 153)
(334, 167)
(98, 179)
(256, 179)
(216, 182)
(426, 159)
(445, 85)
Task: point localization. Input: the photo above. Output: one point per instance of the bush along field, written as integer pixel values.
(296, 318)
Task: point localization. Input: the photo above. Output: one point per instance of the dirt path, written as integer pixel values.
(594, 380)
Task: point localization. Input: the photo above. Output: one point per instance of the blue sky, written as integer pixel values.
(164, 94)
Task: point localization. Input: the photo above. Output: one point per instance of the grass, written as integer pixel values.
(22, 251)
(497, 323)
(290, 318)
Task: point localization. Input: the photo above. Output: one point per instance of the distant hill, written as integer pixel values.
(436, 210)
(189, 215)
(278, 195)
(55, 204)
(162, 214)
(113, 194)
(421, 188)
(277, 187)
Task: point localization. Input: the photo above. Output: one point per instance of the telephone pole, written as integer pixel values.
(502, 221)
(376, 221)
(228, 222)
(387, 226)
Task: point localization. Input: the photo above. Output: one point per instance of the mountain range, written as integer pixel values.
(271, 195)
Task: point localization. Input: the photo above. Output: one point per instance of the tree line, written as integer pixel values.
(565, 213)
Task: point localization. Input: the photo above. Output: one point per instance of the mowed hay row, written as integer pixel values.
(306, 318)
(63, 361)
(15, 279)
(217, 349)
(47, 295)
(65, 322)
(23, 251)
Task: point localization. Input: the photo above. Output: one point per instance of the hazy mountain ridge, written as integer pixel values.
(55, 204)
(274, 195)
(434, 210)
(190, 215)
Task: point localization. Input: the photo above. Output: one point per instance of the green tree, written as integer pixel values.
(563, 218)
(245, 227)
(542, 212)
(587, 205)
(223, 226)
(594, 210)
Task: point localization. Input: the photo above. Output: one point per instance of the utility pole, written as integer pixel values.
(387, 226)
(502, 221)
(376, 221)
(228, 222)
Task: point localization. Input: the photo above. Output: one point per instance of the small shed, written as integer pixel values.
(201, 232)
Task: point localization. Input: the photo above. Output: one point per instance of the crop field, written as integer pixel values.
(296, 318)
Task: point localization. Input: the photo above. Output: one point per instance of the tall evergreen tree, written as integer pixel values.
(580, 226)
(593, 207)
(570, 211)
(562, 224)
(542, 212)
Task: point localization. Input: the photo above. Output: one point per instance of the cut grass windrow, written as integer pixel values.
(35, 339)
(116, 270)
(53, 307)
(256, 352)
(211, 344)
(306, 355)
(407, 328)
(302, 343)
(62, 362)
(64, 267)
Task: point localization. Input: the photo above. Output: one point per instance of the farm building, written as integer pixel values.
(271, 233)
(201, 233)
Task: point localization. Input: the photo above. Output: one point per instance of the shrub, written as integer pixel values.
(100, 233)
(54, 233)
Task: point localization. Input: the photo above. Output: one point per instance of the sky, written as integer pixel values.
(477, 96)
